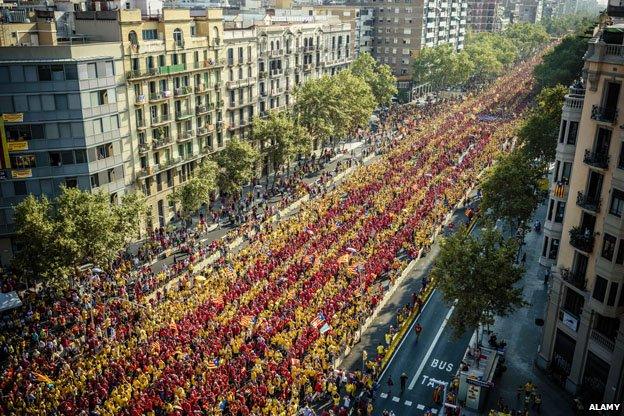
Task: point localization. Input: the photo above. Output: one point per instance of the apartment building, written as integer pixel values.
(401, 29)
(173, 67)
(70, 126)
(484, 16)
(583, 339)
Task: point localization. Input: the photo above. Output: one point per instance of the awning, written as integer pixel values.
(9, 300)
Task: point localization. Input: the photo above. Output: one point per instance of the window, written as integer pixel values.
(554, 249)
(551, 206)
(95, 180)
(612, 294)
(608, 246)
(545, 247)
(566, 172)
(560, 211)
(564, 124)
(19, 188)
(617, 203)
(150, 34)
(110, 68)
(572, 132)
(57, 73)
(80, 155)
(104, 151)
(60, 101)
(600, 289)
(92, 70)
(23, 161)
(71, 182)
(71, 72)
(44, 73)
(619, 259)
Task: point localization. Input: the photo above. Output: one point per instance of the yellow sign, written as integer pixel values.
(13, 118)
(17, 146)
(21, 173)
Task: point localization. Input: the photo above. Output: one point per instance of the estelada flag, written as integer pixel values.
(213, 364)
(343, 259)
(43, 378)
(247, 320)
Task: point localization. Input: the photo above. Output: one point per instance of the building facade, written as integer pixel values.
(74, 129)
(583, 339)
(484, 16)
(402, 29)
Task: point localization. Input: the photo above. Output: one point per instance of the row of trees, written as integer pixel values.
(484, 57)
(325, 108)
(479, 272)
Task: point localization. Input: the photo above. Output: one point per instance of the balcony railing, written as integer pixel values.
(201, 109)
(143, 148)
(182, 91)
(160, 143)
(163, 118)
(140, 99)
(596, 159)
(186, 135)
(582, 238)
(157, 96)
(603, 114)
(602, 340)
(575, 278)
(590, 203)
(181, 115)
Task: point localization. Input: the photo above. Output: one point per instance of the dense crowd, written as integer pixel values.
(257, 332)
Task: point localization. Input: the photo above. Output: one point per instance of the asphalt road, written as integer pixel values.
(430, 358)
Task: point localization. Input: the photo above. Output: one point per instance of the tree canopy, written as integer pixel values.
(511, 188)
(539, 131)
(527, 37)
(378, 77)
(197, 190)
(281, 137)
(563, 64)
(74, 228)
(490, 53)
(442, 66)
(236, 165)
(479, 274)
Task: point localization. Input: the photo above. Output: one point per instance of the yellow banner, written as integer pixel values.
(17, 146)
(13, 118)
(21, 173)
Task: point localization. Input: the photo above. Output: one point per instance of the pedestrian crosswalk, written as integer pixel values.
(408, 403)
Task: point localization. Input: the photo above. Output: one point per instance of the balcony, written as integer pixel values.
(262, 74)
(583, 239)
(602, 340)
(204, 130)
(183, 115)
(182, 91)
(615, 11)
(140, 99)
(596, 159)
(276, 72)
(160, 143)
(186, 136)
(200, 88)
(160, 96)
(276, 53)
(159, 120)
(220, 104)
(587, 202)
(575, 278)
(143, 148)
(604, 115)
(201, 109)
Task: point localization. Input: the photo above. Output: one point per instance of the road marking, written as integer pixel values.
(396, 399)
(408, 403)
(405, 336)
(431, 347)
(420, 407)
(383, 395)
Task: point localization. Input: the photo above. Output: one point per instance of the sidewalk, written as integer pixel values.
(523, 338)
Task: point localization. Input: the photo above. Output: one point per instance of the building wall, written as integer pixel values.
(484, 15)
(583, 339)
(74, 131)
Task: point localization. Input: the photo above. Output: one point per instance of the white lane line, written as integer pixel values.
(396, 399)
(420, 407)
(431, 347)
(406, 333)
(408, 403)
(383, 395)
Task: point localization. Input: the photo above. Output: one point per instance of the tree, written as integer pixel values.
(236, 165)
(539, 131)
(511, 188)
(490, 53)
(378, 77)
(574, 23)
(442, 66)
(319, 109)
(479, 274)
(75, 228)
(527, 37)
(358, 102)
(197, 190)
(282, 137)
(563, 64)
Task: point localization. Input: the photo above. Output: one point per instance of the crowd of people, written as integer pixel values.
(257, 332)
